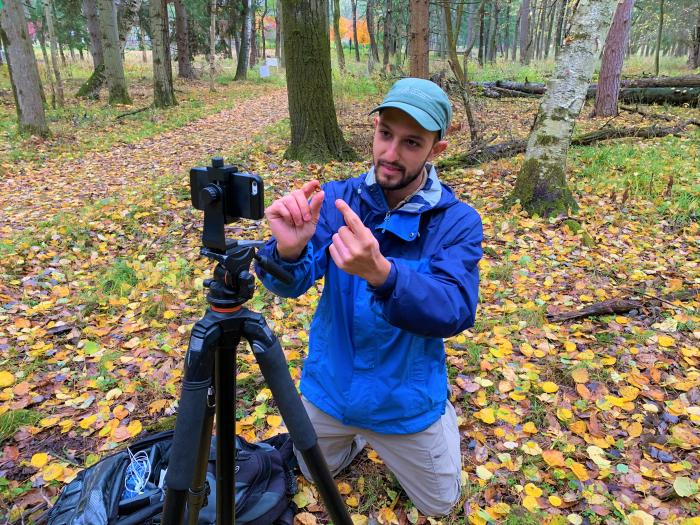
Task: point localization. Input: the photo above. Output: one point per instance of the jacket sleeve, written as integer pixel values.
(310, 266)
(440, 303)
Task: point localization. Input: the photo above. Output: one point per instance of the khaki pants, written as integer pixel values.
(428, 464)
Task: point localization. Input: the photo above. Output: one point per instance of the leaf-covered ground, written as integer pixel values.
(595, 420)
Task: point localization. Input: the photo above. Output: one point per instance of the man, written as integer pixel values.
(399, 256)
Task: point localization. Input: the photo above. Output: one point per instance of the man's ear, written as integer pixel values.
(376, 121)
(437, 148)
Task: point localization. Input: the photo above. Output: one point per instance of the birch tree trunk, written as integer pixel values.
(24, 73)
(613, 58)
(182, 32)
(541, 185)
(418, 38)
(114, 68)
(48, 15)
(336, 35)
(47, 65)
(163, 94)
(315, 134)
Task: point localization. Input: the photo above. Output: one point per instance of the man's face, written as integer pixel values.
(400, 149)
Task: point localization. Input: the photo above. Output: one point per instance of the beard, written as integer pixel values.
(406, 178)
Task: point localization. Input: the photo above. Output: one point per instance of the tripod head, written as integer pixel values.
(225, 194)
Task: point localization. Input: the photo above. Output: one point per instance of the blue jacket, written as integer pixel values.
(376, 355)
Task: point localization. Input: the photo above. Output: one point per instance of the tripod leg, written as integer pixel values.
(197, 492)
(191, 418)
(273, 365)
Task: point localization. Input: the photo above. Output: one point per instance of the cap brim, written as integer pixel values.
(424, 119)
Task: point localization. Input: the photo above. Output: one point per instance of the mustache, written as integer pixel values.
(391, 165)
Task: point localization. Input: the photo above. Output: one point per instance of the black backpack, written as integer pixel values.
(265, 484)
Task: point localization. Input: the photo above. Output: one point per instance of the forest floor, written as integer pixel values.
(589, 421)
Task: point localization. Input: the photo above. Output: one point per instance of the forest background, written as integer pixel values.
(577, 390)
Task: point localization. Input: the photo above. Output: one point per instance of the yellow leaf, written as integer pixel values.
(39, 459)
(344, 488)
(484, 473)
(274, 421)
(487, 415)
(526, 350)
(569, 346)
(6, 379)
(48, 421)
(531, 448)
(352, 501)
(554, 500)
(579, 471)
(387, 516)
(533, 490)
(372, 455)
(61, 291)
(564, 414)
(666, 341)
(635, 429)
(553, 458)
(134, 428)
(639, 517)
(530, 503)
(53, 471)
(580, 375)
(530, 428)
(549, 387)
(87, 422)
(359, 519)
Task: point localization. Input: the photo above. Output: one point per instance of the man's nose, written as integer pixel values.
(392, 152)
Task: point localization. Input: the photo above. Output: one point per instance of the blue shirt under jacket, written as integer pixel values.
(376, 355)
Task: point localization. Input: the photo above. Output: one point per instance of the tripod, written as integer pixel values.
(209, 381)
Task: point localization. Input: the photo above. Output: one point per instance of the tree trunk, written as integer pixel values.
(559, 34)
(142, 45)
(336, 35)
(516, 36)
(541, 185)
(253, 60)
(658, 38)
(506, 36)
(278, 30)
(280, 33)
(550, 27)
(182, 36)
(24, 73)
(53, 66)
(419, 19)
(525, 33)
(353, 3)
(91, 87)
(452, 40)
(262, 32)
(47, 65)
(244, 50)
(613, 57)
(315, 134)
(493, 31)
(482, 40)
(388, 22)
(373, 48)
(114, 69)
(694, 51)
(128, 14)
(163, 94)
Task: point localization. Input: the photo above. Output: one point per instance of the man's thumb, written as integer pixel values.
(315, 205)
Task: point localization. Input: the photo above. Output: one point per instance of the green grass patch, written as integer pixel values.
(662, 172)
(10, 422)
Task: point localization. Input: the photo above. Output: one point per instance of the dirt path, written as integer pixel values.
(31, 195)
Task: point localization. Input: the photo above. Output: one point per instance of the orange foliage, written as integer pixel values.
(346, 30)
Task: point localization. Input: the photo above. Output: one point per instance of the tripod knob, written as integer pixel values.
(209, 194)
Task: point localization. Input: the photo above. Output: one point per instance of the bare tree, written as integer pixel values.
(373, 49)
(163, 93)
(541, 185)
(242, 52)
(244, 48)
(525, 32)
(613, 58)
(659, 33)
(353, 3)
(24, 73)
(114, 68)
(182, 35)
(336, 35)
(48, 16)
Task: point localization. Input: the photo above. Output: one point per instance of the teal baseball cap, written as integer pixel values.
(423, 100)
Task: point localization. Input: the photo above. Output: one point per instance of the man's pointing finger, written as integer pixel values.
(351, 218)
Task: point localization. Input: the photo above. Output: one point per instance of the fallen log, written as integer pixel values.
(621, 306)
(478, 155)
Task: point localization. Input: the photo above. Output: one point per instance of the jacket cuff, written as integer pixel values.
(384, 290)
(282, 262)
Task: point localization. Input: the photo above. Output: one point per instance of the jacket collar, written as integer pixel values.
(404, 222)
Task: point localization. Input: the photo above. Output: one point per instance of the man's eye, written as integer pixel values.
(412, 143)
(383, 133)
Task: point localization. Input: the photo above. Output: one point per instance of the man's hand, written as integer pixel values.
(356, 251)
(293, 219)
